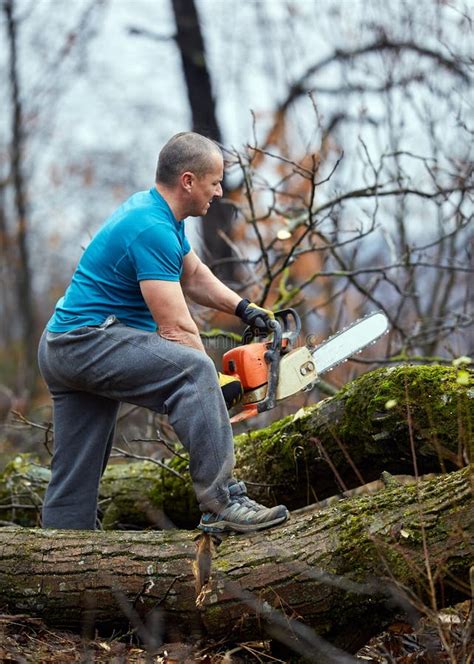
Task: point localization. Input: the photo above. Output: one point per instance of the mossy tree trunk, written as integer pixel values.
(385, 420)
(339, 571)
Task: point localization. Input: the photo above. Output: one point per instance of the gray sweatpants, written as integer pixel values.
(89, 371)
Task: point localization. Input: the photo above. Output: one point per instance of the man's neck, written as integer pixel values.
(173, 200)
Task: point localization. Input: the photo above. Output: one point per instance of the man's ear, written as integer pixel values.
(187, 180)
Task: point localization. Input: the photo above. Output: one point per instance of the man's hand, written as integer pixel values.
(255, 316)
(231, 389)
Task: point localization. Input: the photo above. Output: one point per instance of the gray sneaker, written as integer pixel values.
(242, 515)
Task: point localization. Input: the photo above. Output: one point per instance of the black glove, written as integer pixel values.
(232, 389)
(255, 316)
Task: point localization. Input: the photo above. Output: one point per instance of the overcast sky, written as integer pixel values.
(107, 110)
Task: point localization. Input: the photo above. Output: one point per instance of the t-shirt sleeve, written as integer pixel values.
(186, 246)
(157, 253)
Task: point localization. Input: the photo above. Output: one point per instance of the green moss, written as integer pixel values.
(24, 483)
(177, 495)
(144, 494)
(367, 544)
(440, 408)
(213, 617)
(276, 451)
(379, 414)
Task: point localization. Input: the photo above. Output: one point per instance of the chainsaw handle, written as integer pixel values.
(290, 323)
(251, 333)
(286, 324)
(276, 328)
(272, 358)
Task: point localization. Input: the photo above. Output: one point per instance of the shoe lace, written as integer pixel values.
(238, 494)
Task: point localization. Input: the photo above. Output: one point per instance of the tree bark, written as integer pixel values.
(341, 571)
(391, 419)
(386, 420)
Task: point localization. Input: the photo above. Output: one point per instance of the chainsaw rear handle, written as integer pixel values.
(284, 331)
(286, 325)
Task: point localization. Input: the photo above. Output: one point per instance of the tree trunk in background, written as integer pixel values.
(20, 267)
(338, 571)
(190, 42)
(5, 266)
(196, 73)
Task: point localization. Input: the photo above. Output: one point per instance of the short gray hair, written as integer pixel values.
(186, 151)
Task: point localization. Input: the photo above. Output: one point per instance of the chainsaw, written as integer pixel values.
(272, 369)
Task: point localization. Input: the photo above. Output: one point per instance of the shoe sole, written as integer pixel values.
(228, 526)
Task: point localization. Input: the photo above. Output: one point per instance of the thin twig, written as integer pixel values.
(131, 455)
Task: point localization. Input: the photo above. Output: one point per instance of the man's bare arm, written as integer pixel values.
(170, 312)
(202, 287)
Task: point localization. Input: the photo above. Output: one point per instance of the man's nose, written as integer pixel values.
(218, 193)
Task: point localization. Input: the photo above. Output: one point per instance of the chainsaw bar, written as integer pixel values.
(349, 341)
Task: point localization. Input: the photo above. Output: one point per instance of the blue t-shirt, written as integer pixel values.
(140, 240)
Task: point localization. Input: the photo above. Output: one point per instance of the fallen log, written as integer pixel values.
(368, 427)
(335, 445)
(343, 571)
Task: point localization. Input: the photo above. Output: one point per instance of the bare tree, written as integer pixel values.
(32, 105)
(361, 215)
(300, 242)
(19, 254)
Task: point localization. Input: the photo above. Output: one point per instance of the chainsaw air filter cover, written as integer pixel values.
(248, 363)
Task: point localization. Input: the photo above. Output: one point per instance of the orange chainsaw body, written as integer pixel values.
(257, 363)
(248, 363)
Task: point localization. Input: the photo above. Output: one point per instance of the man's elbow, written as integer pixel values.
(187, 288)
(177, 329)
(186, 335)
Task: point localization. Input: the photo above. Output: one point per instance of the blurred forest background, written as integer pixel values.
(347, 128)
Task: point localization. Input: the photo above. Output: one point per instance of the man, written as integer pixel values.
(123, 332)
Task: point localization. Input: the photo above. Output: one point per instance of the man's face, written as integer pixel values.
(206, 188)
